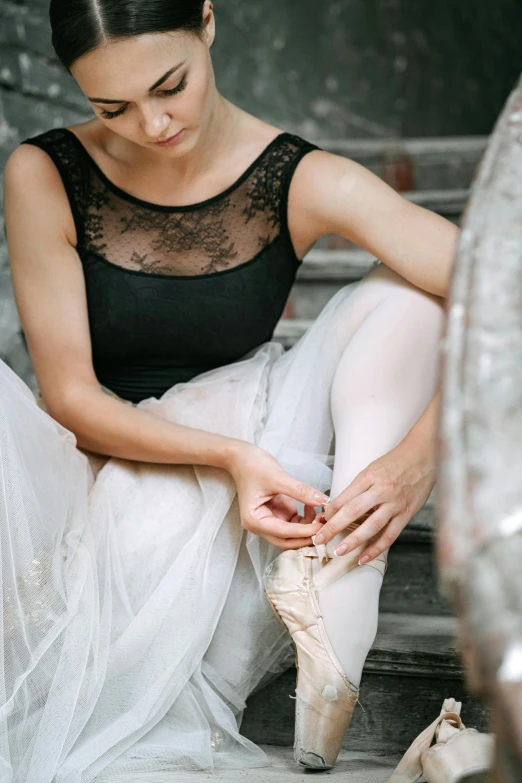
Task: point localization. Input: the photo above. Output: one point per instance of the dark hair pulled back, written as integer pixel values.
(79, 26)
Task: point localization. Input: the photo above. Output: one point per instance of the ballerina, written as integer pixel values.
(174, 448)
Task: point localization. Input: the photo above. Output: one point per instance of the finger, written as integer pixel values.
(369, 529)
(273, 526)
(285, 502)
(285, 508)
(361, 483)
(345, 515)
(309, 515)
(302, 492)
(390, 534)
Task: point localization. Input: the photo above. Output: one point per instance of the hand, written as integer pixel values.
(267, 496)
(390, 491)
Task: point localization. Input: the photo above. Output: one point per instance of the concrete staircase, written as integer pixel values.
(414, 663)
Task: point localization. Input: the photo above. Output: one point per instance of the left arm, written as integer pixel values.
(334, 195)
(331, 194)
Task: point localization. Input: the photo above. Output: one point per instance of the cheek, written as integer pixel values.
(198, 101)
(198, 93)
(124, 126)
(191, 106)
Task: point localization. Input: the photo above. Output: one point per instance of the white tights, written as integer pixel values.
(385, 379)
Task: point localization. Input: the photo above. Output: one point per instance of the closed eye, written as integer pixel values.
(178, 88)
(109, 115)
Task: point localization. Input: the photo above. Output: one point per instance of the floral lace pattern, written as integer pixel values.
(214, 235)
(173, 292)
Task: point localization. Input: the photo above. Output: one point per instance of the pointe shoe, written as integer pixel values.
(459, 755)
(325, 697)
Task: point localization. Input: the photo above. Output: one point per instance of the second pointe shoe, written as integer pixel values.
(325, 697)
(459, 755)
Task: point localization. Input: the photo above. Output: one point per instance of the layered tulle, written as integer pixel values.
(135, 624)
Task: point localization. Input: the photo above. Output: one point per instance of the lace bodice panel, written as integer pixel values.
(175, 291)
(203, 238)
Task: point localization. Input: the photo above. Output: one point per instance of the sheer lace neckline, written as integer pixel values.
(175, 208)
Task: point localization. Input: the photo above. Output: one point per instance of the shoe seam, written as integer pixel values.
(314, 600)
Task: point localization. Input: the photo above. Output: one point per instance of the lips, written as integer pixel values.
(169, 141)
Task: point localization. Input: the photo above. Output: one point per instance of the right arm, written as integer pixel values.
(50, 295)
(51, 299)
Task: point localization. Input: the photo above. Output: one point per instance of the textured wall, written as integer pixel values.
(323, 68)
(479, 541)
(326, 69)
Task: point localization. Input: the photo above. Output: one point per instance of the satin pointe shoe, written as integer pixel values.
(325, 697)
(459, 755)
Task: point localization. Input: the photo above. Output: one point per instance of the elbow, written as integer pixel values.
(69, 406)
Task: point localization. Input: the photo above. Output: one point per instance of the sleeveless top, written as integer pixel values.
(174, 291)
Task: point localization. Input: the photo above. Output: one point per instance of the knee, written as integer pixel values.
(424, 308)
(393, 281)
(383, 285)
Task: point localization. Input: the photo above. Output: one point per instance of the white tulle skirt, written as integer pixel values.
(135, 624)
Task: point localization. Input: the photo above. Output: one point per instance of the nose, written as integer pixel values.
(155, 122)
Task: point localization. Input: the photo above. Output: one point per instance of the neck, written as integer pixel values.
(216, 136)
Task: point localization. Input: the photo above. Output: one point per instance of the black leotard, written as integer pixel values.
(174, 291)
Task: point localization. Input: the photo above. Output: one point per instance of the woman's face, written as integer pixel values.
(121, 81)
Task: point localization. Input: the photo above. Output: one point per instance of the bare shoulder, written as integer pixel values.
(29, 173)
(25, 163)
(28, 169)
(315, 184)
(320, 169)
(329, 192)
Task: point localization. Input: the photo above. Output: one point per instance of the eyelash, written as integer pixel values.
(109, 115)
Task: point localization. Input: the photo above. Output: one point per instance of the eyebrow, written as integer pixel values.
(156, 84)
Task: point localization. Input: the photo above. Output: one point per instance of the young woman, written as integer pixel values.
(176, 448)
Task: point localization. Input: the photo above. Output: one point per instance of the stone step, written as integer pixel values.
(411, 582)
(322, 265)
(322, 273)
(412, 667)
(351, 766)
(436, 163)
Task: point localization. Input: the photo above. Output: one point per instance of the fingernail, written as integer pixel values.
(364, 560)
(341, 550)
(322, 499)
(319, 539)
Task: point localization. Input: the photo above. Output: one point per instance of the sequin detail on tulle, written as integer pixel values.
(217, 740)
(30, 594)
